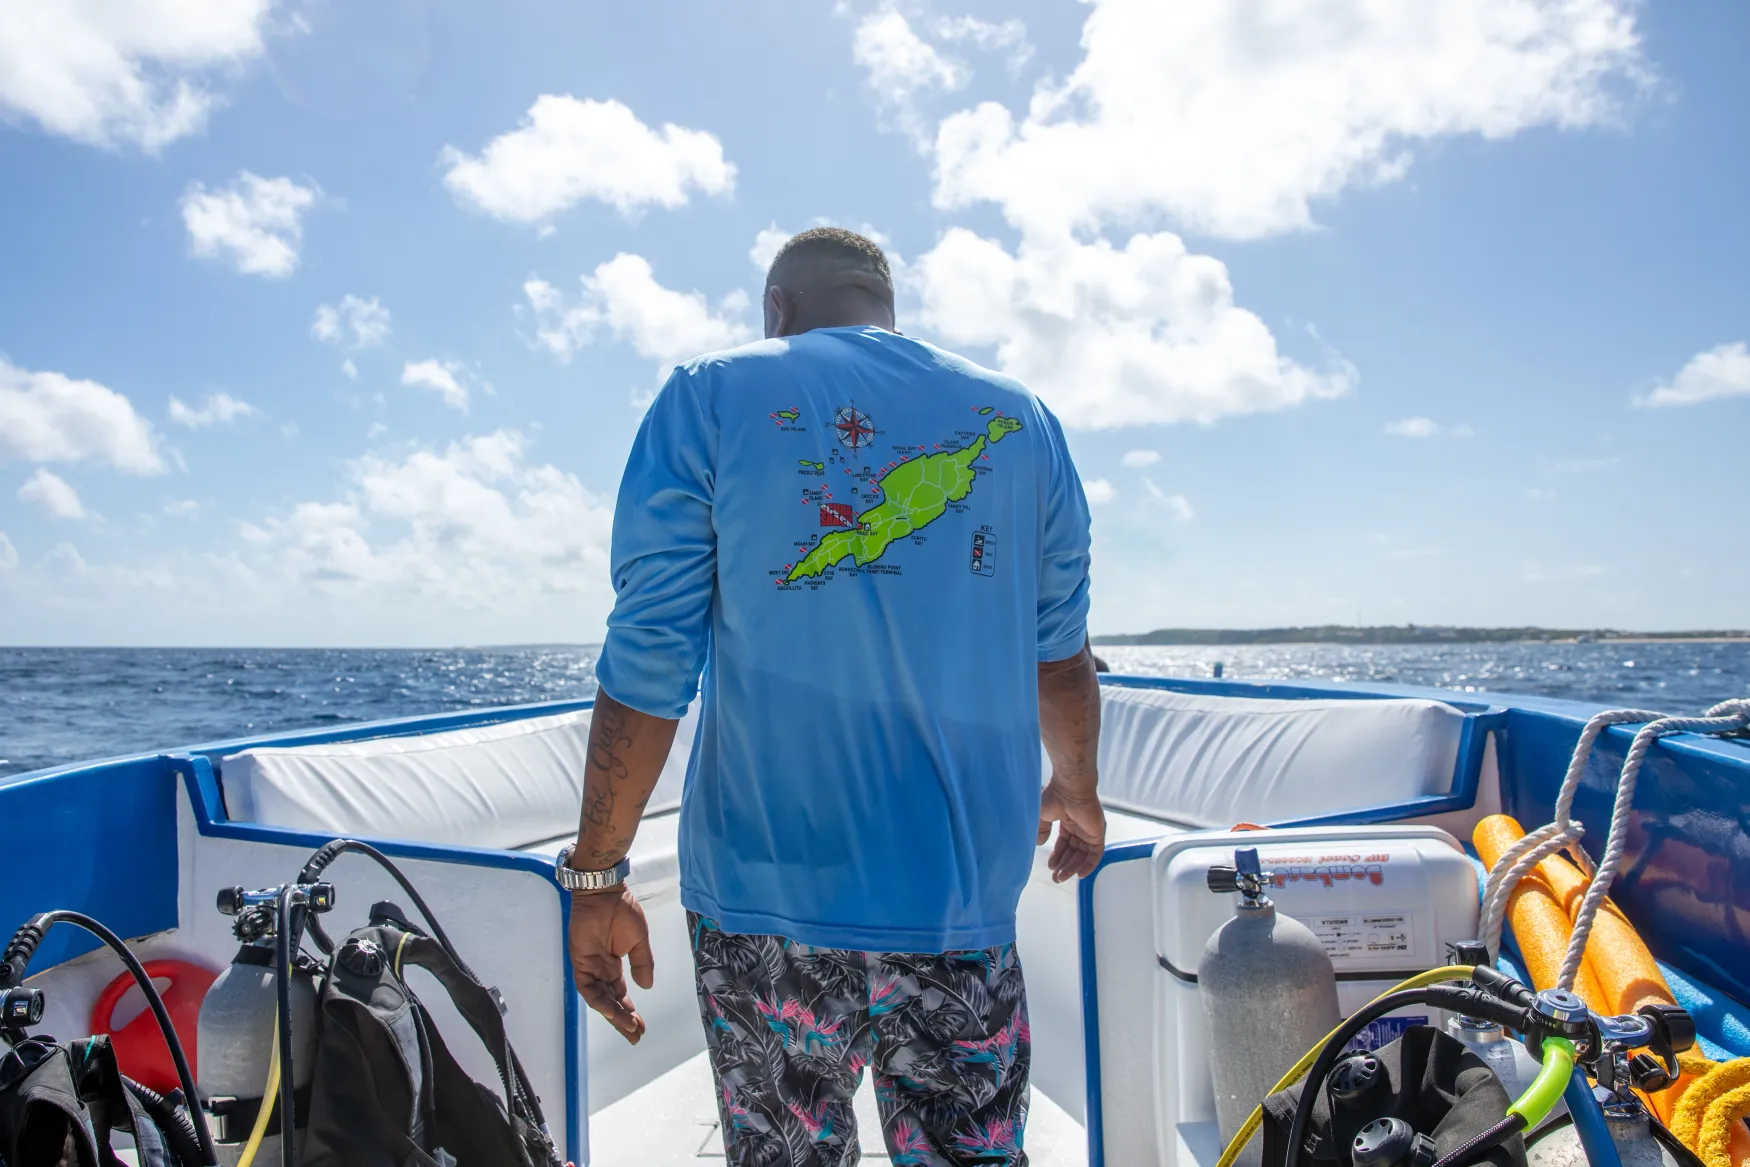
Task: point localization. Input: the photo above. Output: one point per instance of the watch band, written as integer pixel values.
(574, 880)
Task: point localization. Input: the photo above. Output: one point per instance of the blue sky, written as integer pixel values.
(331, 323)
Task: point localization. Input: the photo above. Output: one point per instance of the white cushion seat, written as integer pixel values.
(504, 786)
(1210, 761)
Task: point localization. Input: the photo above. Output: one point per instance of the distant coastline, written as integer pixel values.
(1410, 634)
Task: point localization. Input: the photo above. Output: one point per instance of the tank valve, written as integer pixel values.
(1245, 877)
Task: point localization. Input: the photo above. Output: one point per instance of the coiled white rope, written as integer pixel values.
(1564, 831)
(1726, 717)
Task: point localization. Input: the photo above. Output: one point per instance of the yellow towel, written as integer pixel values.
(1715, 1086)
(1724, 1117)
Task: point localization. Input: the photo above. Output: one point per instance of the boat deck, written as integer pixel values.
(672, 1122)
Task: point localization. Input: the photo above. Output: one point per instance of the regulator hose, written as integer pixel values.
(1470, 1002)
(282, 951)
(1552, 1080)
(269, 1100)
(1256, 1119)
(329, 852)
(1589, 1122)
(178, 1128)
(1474, 1149)
(24, 945)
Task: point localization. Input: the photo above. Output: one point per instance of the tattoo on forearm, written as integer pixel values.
(610, 737)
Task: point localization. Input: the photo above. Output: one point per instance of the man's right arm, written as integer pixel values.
(1069, 692)
(1069, 724)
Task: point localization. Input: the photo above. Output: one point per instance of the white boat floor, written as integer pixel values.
(673, 1121)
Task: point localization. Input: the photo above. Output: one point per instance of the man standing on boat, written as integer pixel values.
(876, 553)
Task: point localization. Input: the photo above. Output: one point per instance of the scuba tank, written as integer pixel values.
(1510, 1060)
(243, 1039)
(1269, 994)
(235, 1046)
(1631, 1130)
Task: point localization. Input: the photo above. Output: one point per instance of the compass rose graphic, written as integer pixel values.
(854, 427)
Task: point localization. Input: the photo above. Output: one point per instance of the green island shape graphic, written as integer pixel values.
(804, 462)
(787, 414)
(987, 409)
(916, 493)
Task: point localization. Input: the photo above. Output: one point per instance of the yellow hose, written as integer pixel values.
(1434, 976)
(269, 1096)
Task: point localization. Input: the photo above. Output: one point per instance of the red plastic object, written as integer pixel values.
(139, 1045)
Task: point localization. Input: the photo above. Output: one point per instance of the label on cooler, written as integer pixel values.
(1364, 935)
(1383, 1031)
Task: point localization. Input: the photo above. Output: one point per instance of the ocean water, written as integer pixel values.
(67, 705)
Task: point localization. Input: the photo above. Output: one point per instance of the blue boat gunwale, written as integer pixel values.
(199, 768)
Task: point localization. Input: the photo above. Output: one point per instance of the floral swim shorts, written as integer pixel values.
(790, 1029)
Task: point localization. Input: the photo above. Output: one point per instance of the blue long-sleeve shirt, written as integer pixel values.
(865, 545)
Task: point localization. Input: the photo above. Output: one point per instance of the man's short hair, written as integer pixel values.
(824, 249)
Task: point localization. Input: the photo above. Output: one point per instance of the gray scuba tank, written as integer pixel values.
(1630, 1129)
(1269, 995)
(236, 1042)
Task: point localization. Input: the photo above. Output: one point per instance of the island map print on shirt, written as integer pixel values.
(902, 497)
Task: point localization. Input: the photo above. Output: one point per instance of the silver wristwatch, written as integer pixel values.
(589, 880)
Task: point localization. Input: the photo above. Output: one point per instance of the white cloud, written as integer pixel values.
(766, 246)
(1115, 337)
(255, 222)
(569, 150)
(366, 320)
(64, 559)
(130, 74)
(54, 494)
(1177, 506)
(351, 370)
(899, 62)
(623, 296)
(1232, 117)
(1139, 459)
(220, 409)
(1426, 427)
(471, 524)
(8, 553)
(441, 377)
(184, 508)
(48, 417)
(992, 37)
(1720, 372)
(1099, 491)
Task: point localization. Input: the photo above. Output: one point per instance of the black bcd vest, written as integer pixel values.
(386, 1090)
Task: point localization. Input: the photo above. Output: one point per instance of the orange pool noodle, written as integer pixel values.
(1620, 961)
(1541, 926)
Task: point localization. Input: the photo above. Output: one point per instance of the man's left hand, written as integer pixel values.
(606, 928)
